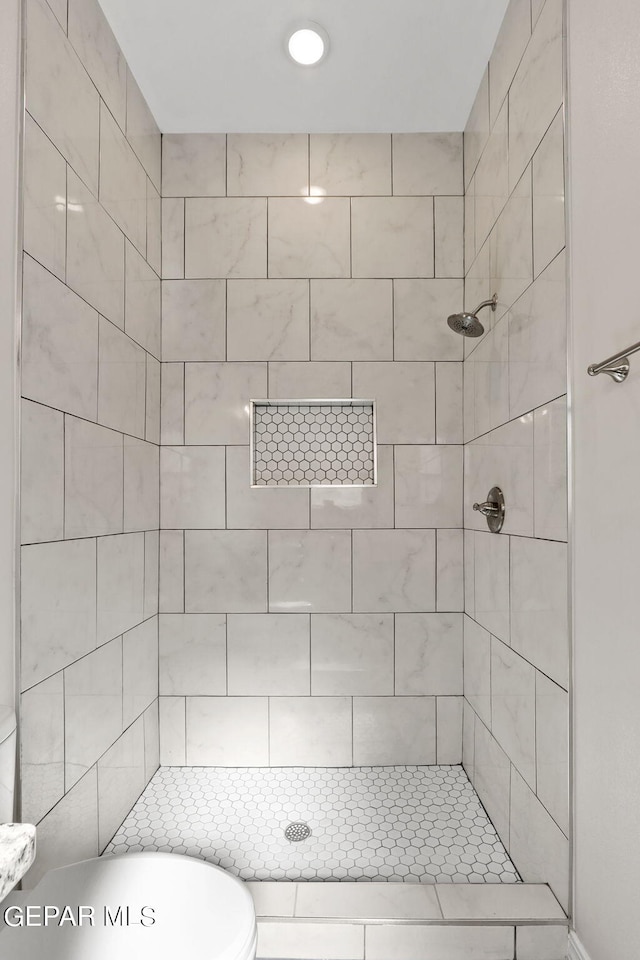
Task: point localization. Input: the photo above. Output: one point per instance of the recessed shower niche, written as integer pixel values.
(308, 443)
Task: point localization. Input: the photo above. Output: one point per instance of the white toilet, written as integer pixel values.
(137, 906)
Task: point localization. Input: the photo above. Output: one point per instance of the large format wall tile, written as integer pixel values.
(309, 571)
(511, 43)
(428, 486)
(142, 302)
(260, 508)
(144, 136)
(59, 345)
(95, 44)
(193, 165)
(225, 571)
(309, 239)
(45, 200)
(427, 164)
(227, 731)
(394, 570)
(351, 507)
(123, 182)
(548, 196)
(120, 584)
(392, 236)
(122, 381)
(192, 487)
(550, 470)
(193, 320)
(267, 320)
(42, 735)
(121, 779)
(193, 655)
(141, 489)
(41, 474)
(225, 238)
(93, 480)
(350, 164)
(513, 708)
(69, 109)
(268, 655)
(310, 731)
(351, 320)
(405, 399)
(352, 654)
(267, 165)
(139, 670)
(217, 399)
(392, 730)
(420, 311)
(428, 654)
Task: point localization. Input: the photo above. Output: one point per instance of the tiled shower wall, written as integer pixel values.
(516, 669)
(323, 626)
(90, 434)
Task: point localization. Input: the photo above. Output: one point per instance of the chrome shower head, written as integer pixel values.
(468, 324)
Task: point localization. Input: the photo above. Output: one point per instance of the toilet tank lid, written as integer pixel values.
(7, 722)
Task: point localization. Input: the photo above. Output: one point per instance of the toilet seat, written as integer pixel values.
(201, 912)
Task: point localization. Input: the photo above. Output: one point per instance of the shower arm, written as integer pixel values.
(617, 366)
(493, 302)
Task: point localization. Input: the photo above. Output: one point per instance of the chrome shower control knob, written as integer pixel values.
(493, 509)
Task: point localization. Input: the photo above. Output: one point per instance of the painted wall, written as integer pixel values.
(604, 77)
(90, 434)
(516, 650)
(317, 627)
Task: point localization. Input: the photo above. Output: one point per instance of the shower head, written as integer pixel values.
(468, 324)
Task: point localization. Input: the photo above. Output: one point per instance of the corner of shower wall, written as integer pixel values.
(516, 644)
(90, 434)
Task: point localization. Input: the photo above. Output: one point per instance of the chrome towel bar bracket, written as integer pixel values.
(617, 366)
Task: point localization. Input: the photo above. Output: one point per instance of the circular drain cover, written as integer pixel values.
(297, 831)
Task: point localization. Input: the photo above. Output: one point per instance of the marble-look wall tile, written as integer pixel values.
(492, 777)
(513, 708)
(140, 480)
(428, 486)
(449, 729)
(192, 485)
(320, 380)
(548, 196)
(142, 132)
(41, 474)
(468, 739)
(352, 654)
(68, 833)
(45, 200)
(172, 406)
(95, 44)
(261, 508)
(393, 570)
(267, 165)
(552, 749)
(491, 583)
(346, 164)
(59, 345)
(539, 849)
(225, 570)
(449, 401)
(268, 655)
(92, 708)
(351, 320)
(539, 605)
(120, 584)
(421, 308)
(226, 237)
(93, 480)
(123, 182)
(309, 239)
(141, 302)
(449, 570)
(392, 236)
(350, 507)
(550, 470)
(512, 247)
(428, 654)
(173, 238)
(193, 165)
(477, 669)
(42, 747)
(405, 399)
(217, 399)
(538, 341)
(122, 381)
(69, 109)
(152, 417)
(487, 390)
(491, 181)
(427, 164)
(173, 725)
(315, 731)
(121, 779)
(469, 573)
(390, 730)
(95, 252)
(193, 655)
(541, 942)
(537, 89)
(227, 731)
(151, 726)
(139, 669)
(154, 229)
(58, 606)
(511, 44)
(193, 320)
(59, 7)
(268, 320)
(309, 571)
(449, 237)
(171, 572)
(503, 457)
(477, 129)
(470, 245)
(151, 572)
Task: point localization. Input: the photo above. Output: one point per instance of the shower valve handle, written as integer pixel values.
(488, 509)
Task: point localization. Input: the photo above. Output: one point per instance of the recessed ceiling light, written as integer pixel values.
(308, 44)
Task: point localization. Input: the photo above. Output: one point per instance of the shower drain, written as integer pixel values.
(297, 831)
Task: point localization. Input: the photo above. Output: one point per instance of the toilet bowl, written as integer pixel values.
(137, 906)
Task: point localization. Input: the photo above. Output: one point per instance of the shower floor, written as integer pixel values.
(403, 824)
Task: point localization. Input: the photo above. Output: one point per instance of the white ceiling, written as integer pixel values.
(393, 65)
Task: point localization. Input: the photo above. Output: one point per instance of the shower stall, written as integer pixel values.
(261, 621)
